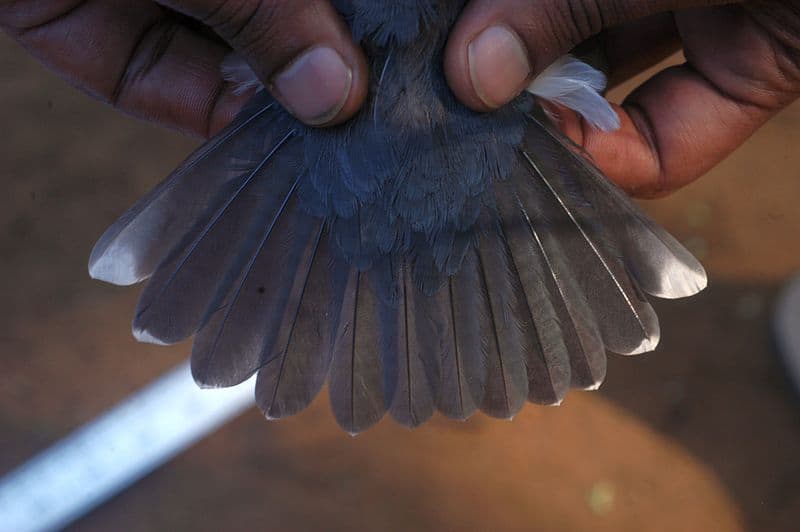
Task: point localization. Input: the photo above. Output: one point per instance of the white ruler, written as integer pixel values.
(110, 453)
(786, 323)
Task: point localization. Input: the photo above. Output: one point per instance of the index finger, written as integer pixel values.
(134, 54)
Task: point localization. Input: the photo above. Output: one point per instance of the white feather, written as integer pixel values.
(116, 266)
(236, 71)
(145, 337)
(577, 86)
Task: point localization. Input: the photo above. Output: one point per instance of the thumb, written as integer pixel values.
(498, 46)
(302, 51)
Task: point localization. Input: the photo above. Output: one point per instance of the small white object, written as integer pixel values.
(235, 70)
(574, 84)
(112, 452)
(145, 337)
(116, 266)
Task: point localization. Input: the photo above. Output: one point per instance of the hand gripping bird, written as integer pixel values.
(420, 257)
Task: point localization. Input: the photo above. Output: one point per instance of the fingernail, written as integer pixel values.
(315, 86)
(498, 65)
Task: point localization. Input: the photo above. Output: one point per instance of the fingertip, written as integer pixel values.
(357, 89)
(487, 63)
(323, 85)
(305, 55)
(337, 82)
(457, 71)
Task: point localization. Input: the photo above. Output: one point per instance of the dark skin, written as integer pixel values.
(160, 60)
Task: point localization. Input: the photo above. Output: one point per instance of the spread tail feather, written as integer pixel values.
(247, 318)
(418, 338)
(180, 292)
(357, 383)
(542, 291)
(131, 249)
(297, 371)
(509, 323)
(627, 322)
(660, 264)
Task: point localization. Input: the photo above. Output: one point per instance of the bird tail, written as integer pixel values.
(554, 276)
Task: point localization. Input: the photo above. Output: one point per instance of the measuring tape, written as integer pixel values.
(112, 452)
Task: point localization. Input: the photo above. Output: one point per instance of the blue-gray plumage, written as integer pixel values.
(420, 257)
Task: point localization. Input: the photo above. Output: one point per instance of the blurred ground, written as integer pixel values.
(701, 435)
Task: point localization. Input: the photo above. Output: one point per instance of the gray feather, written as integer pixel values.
(661, 265)
(131, 249)
(241, 333)
(579, 326)
(179, 294)
(507, 377)
(416, 338)
(627, 322)
(296, 373)
(357, 382)
(465, 367)
(548, 361)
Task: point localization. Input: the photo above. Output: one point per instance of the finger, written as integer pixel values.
(131, 53)
(498, 46)
(633, 47)
(687, 119)
(629, 49)
(302, 50)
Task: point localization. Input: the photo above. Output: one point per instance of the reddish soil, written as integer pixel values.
(701, 435)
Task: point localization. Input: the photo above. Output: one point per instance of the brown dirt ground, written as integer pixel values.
(701, 435)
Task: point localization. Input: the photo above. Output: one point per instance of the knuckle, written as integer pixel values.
(774, 81)
(585, 18)
(253, 26)
(783, 29)
(784, 78)
(148, 51)
(21, 15)
(230, 17)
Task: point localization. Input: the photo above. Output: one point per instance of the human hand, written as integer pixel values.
(160, 59)
(743, 66)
